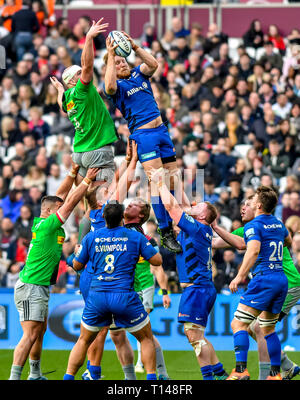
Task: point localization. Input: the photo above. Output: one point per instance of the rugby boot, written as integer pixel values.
(274, 378)
(239, 376)
(167, 240)
(290, 373)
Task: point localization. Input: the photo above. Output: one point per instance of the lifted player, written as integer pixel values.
(131, 93)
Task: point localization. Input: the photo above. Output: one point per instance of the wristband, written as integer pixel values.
(86, 181)
(164, 292)
(72, 175)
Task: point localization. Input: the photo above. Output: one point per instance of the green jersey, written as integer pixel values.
(143, 278)
(44, 252)
(288, 265)
(94, 127)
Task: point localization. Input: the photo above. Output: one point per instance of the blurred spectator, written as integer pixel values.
(209, 190)
(226, 271)
(54, 180)
(277, 164)
(270, 58)
(24, 223)
(293, 224)
(11, 276)
(24, 24)
(276, 38)
(293, 208)
(254, 37)
(35, 177)
(67, 280)
(34, 200)
(148, 35)
(11, 204)
(74, 50)
(8, 240)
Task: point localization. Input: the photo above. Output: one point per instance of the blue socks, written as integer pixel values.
(218, 369)
(151, 377)
(207, 373)
(68, 377)
(241, 346)
(274, 349)
(95, 372)
(160, 212)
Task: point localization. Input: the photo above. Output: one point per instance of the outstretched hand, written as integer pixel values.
(96, 28)
(111, 46)
(92, 173)
(133, 44)
(58, 85)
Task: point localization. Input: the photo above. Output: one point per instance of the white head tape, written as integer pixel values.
(69, 73)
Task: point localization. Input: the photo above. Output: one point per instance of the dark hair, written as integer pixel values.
(51, 199)
(113, 214)
(268, 198)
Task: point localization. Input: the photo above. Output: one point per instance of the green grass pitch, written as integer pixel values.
(180, 364)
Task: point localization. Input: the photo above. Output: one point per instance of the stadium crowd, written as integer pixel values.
(233, 113)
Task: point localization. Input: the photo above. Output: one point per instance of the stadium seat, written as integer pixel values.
(242, 149)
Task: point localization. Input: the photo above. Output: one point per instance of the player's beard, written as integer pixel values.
(124, 74)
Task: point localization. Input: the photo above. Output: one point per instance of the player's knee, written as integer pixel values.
(267, 326)
(119, 338)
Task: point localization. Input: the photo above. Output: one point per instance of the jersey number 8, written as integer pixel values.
(109, 267)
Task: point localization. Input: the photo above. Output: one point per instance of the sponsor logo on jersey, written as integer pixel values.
(70, 105)
(249, 232)
(183, 315)
(60, 239)
(136, 319)
(189, 218)
(136, 89)
(148, 155)
(33, 235)
(272, 226)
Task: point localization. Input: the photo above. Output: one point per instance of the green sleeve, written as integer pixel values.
(239, 232)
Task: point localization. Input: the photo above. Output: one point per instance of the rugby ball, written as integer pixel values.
(124, 46)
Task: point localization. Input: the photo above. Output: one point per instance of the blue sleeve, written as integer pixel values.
(285, 232)
(146, 249)
(251, 232)
(188, 224)
(82, 254)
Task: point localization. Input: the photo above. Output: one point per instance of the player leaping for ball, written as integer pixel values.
(131, 93)
(94, 128)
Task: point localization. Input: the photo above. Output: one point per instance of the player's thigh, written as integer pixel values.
(267, 321)
(128, 311)
(292, 298)
(147, 296)
(196, 304)
(32, 329)
(149, 165)
(118, 336)
(143, 333)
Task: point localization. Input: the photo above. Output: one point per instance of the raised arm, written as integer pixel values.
(150, 64)
(66, 209)
(66, 185)
(87, 56)
(110, 79)
(127, 177)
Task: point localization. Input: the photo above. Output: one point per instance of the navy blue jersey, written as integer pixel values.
(194, 263)
(271, 233)
(134, 98)
(114, 254)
